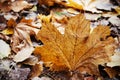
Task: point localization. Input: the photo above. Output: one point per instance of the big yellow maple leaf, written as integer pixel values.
(78, 48)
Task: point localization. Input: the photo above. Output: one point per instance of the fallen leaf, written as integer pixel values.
(92, 16)
(68, 3)
(115, 59)
(46, 2)
(9, 30)
(32, 23)
(21, 42)
(114, 20)
(5, 6)
(32, 60)
(36, 70)
(11, 23)
(2, 23)
(4, 49)
(59, 17)
(4, 37)
(105, 5)
(97, 6)
(77, 47)
(111, 72)
(23, 54)
(74, 4)
(17, 6)
(117, 9)
(45, 18)
(11, 15)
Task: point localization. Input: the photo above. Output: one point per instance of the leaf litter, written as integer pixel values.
(48, 40)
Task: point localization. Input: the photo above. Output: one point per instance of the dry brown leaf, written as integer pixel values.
(77, 48)
(5, 6)
(28, 21)
(21, 42)
(112, 71)
(2, 23)
(46, 2)
(51, 2)
(11, 23)
(17, 6)
(32, 60)
(36, 70)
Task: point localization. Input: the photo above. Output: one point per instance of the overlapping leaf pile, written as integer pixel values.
(53, 38)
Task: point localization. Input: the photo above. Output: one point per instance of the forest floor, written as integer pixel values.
(59, 39)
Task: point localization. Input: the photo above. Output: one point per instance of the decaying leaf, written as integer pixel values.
(114, 20)
(67, 3)
(16, 6)
(36, 70)
(11, 23)
(9, 30)
(23, 54)
(21, 42)
(4, 49)
(112, 72)
(5, 6)
(77, 48)
(115, 59)
(20, 5)
(74, 4)
(2, 23)
(46, 2)
(32, 60)
(117, 9)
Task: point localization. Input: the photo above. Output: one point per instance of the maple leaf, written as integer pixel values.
(78, 48)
